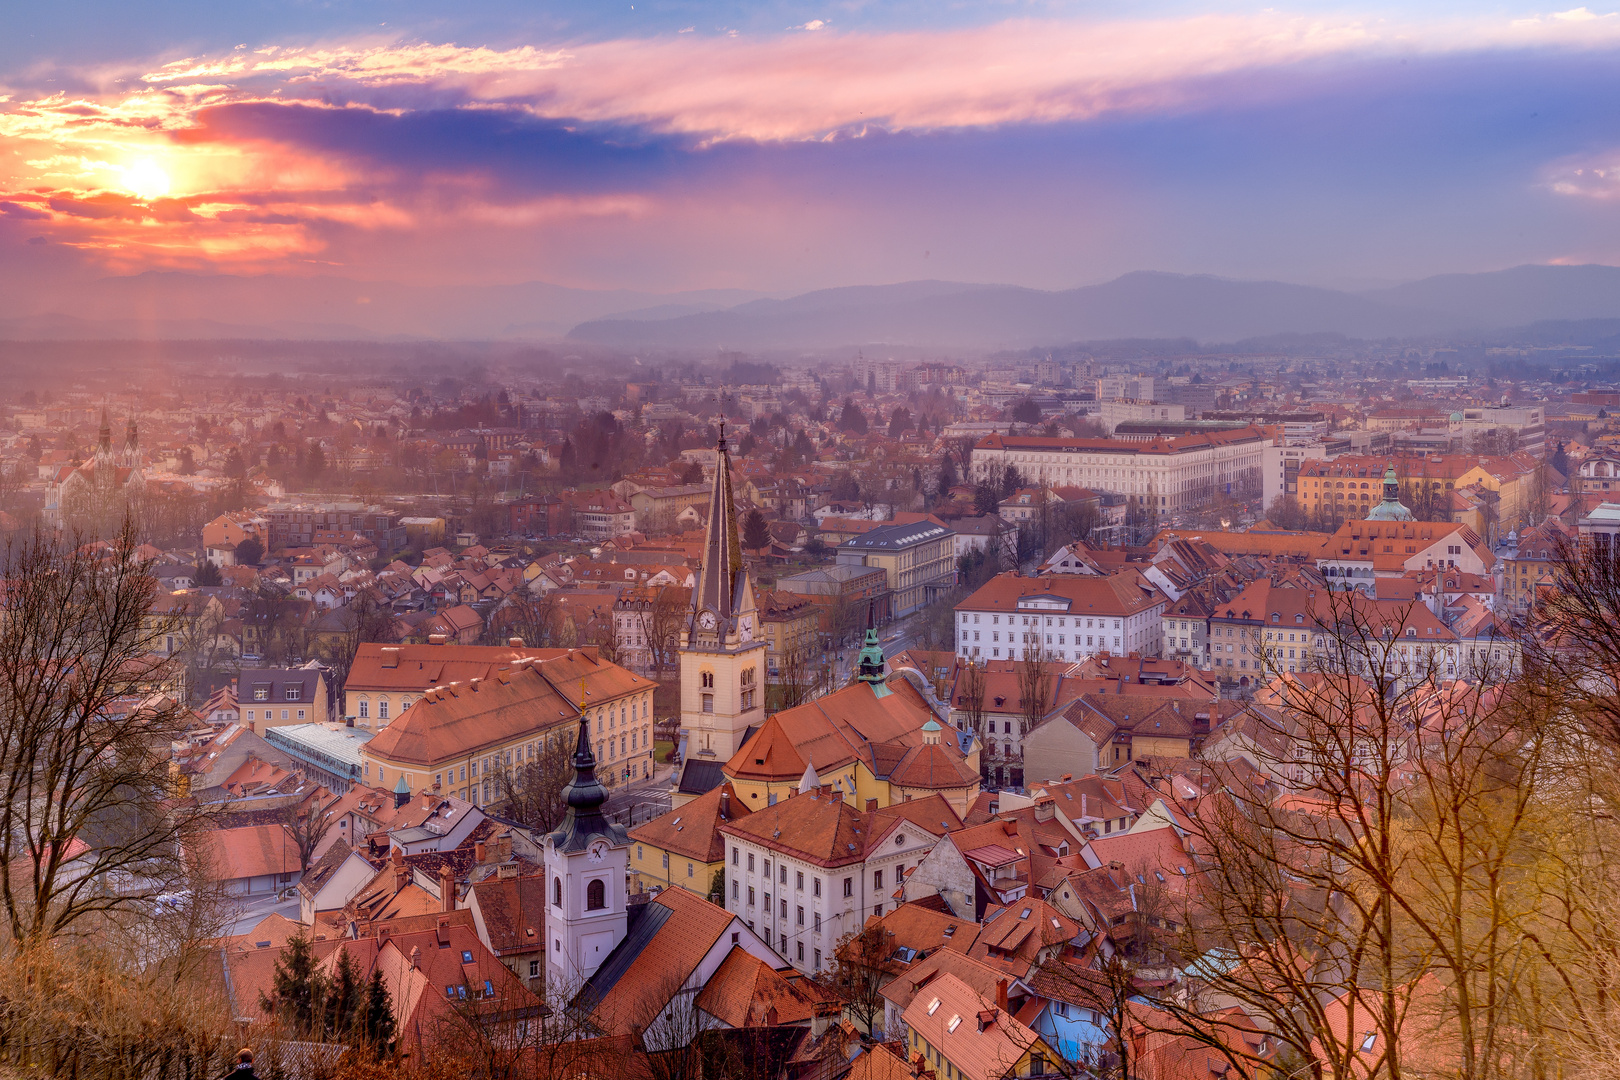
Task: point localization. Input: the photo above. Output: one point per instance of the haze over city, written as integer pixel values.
(999, 540)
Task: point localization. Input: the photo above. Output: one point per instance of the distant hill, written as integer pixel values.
(1138, 305)
(1144, 305)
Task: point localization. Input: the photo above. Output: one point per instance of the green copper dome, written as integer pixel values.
(1391, 508)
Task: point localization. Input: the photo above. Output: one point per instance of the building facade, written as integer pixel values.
(1067, 616)
(918, 561)
(1169, 474)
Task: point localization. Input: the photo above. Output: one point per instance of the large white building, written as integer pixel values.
(807, 871)
(1072, 616)
(1170, 474)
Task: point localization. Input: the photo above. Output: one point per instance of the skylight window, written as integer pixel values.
(951, 1027)
(1367, 1043)
(1024, 914)
(932, 1005)
(466, 956)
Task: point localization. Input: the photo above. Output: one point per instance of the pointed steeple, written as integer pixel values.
(132, 442)
(718, 590)
(809, 781)
(585, 796)
(869, 667)
(104, 437)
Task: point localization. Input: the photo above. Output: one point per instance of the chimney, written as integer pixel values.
(442, 932)
(447, 887)
(1082, 805)
(478, 852)
(416, 957)
(427, 801)
(514, 642)
(1001, 994)
(725, 806)
(402, 873)
(438, 639)
(871, 806)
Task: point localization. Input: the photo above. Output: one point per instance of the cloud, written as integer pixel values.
(23, 213)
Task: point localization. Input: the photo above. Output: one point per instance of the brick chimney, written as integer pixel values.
(416, 957)
(1001, 994)
(447, 887)
(402, 873)
(514, 642)
(478, 852)
(725, 806)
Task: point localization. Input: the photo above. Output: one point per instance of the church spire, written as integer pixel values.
(869, 668)
(584, 796)
(722, 544)
(131, 442)
(104, 439)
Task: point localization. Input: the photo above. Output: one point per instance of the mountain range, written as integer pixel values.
(168, 305)
(1137, 305)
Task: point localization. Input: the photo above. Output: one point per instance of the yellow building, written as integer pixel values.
(458, 736)
(919, 560)
(684, 848)
(790, 623)
(962, 1035)
(873, 742)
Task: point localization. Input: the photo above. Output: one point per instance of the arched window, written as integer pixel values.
(556, 892)
(595, 895)
(708, 678)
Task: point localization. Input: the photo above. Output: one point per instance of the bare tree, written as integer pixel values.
(1034, 680)
(862, 966)
(309, 824)
(531, 792)
(88, 823)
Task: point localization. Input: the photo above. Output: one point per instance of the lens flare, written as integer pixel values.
(145, 180)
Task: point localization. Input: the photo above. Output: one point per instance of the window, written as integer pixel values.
(734, 854)
(666, 860)
(849, 886)
(750, 896)
(489, 989)
(815, 920)
(596, 895)
(382, 709)
(877, 879)
(734, 888)
(689, 870)
(466, 957)
(784, 872)
(708, 703)
(1367, 1043)
(800, 919)
(261, 693)
(818, 960)
(801, 952)
(556, 892)
(799, 879)
(815, 886)
(365, 708)
(294, 692)
(750, 862)
(784, 911)
(534, 968)
(708, 680)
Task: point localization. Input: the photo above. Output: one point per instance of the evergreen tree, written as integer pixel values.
(297, 988)
(900, 422)
(376, 1020)
(345, 998)
(947, 475)
(315, 460)
(852, 419)
(207, 574)
(986, 499)
(756, 530)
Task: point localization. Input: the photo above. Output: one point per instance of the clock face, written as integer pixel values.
(747, 628)
(597, 852)
(706, 620)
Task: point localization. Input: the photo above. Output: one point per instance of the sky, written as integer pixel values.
(783, 147)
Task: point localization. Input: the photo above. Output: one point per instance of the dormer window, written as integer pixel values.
(294, 692)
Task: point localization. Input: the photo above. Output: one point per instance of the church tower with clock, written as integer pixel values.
(722, 648)
(587, 863)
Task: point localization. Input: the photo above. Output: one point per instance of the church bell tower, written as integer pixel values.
(587, 864)
(722, 650)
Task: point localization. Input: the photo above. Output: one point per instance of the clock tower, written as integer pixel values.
(722, 648)
(587, 864)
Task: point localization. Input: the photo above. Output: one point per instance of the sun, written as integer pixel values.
(145, 179)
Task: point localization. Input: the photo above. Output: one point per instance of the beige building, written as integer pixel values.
(919, 560)
(457, 736)
(1170, 474)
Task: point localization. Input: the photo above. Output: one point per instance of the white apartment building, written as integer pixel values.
(1072, 616)
(808, 870)
(1114, 413)
(1170, 474)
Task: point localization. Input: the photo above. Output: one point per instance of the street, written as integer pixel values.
(250, 910)
(641, 800)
